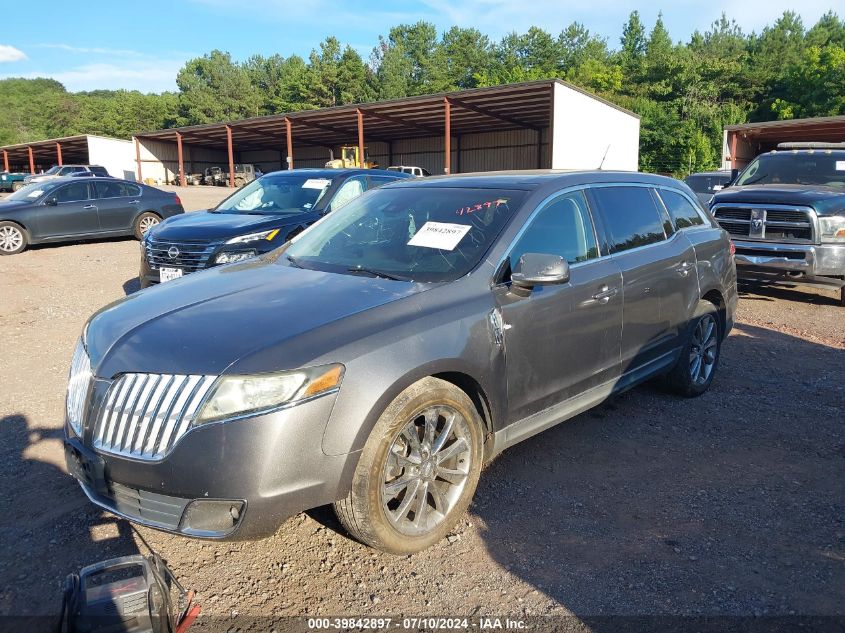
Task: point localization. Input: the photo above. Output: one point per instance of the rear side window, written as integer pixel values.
(100, 171)
(115, 189)
(72, 193)
(631, 216)
(683, 212)
(563, 227)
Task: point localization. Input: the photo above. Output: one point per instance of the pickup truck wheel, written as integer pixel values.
(694, 371)
(144, 223)
(17, 186)
(13, 238)
(418, 470)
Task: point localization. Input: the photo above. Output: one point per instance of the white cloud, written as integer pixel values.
(10, 54)
(148, 75)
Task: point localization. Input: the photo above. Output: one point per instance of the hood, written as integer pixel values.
(825, 200)
(13, 205)
(206, 321)
(210, 226)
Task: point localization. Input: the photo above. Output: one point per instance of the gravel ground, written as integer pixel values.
(732, 504)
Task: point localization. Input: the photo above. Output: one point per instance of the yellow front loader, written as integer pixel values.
(349, 158)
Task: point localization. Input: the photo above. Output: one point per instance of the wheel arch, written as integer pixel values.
(715, 297)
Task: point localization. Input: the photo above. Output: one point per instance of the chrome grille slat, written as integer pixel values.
(767, 222)
(192, 256)
(145, 415)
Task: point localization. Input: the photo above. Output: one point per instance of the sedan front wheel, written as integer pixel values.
(13, 238)
(418, 470)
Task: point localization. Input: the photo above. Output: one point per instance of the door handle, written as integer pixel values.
(684, 268)
(604, 294)
(134, 201)
(90, 206)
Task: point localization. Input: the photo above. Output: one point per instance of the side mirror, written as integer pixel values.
(540, 269)
(52, 201)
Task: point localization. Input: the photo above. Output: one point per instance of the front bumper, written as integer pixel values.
(149, 274)
(269, 467)
(806, 263)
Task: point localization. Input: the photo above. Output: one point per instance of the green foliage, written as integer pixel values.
(685, 92)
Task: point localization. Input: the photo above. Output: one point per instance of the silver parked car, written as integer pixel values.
(377, 359)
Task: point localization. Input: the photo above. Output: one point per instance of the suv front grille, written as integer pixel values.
(144, 415)
(189, 256)
(767, 222)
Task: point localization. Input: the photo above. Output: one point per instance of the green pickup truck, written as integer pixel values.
(11, 181)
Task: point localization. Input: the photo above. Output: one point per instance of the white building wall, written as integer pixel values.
(116, 155)
(584, 129)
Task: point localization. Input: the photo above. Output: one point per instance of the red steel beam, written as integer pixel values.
(231, 156)
(182, 182)
(448, 137)
(5, 160)
(59, 153)
(31, 161)
(289, 135)
(138, 158)
(361, 138)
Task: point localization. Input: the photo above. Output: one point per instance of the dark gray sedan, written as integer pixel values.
(68, 209)
(380, 357)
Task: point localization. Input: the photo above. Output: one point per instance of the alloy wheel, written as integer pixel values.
(147, 223)
(705, 344)
(426, 470)
(11, 239)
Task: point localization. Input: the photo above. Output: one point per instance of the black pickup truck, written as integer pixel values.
(786, 216)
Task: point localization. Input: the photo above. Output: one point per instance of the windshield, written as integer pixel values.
(818, 168)
(278, 194)
(53, 170)
(33, 191)
(414, 233)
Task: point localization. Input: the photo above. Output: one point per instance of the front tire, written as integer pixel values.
(13, 238)
(144, 223)
(418, 470)
(18, 185)
(695, 369)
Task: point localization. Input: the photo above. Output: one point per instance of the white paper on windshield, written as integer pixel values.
(440, 235)
(34, 194)
(840, 165)
(316, 183)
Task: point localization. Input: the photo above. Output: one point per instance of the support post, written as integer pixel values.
(289, 135)
(59, 153)
(138, 158)
(733, 150)
(182, 182)
(447, 163)
(361, 158)
(5, 160)
(31, 161)
(231, 156)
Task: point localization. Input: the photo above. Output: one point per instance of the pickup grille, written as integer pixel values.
(144, 415)
(767, 223)
(189, 256)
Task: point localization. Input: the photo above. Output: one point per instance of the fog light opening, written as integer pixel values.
(211, 517)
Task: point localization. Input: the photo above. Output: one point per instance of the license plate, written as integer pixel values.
(169, 274)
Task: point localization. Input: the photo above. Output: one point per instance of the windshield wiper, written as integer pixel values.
(377, 273)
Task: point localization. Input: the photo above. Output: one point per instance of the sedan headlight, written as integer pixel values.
(77, 388)
(263, 235)
(832, 228)
(235, 396)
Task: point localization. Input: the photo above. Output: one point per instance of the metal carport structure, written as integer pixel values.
(447, 131)
(85, 149)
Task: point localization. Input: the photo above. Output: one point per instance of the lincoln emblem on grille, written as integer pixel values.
(173, 252)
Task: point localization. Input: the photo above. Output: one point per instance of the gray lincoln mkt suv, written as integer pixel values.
(377, 359)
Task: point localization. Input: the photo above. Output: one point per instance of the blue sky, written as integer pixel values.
(141, 46)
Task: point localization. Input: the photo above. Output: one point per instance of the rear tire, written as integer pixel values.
(144, 223)
(418, 470)
(693, 373)
(13, 238)
(18, 185)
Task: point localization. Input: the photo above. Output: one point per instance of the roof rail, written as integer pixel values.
(810, 145)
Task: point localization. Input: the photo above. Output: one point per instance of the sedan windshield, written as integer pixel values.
(285, 194)
(34, 191)
(818, 168)
(53, 170)
(413, 233)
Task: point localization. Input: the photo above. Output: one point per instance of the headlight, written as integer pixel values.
(227, 258)
(263, 235)
(832, 228)
(77, 386)
(234, 396)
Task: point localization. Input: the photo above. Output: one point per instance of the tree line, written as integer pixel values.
(685, 92)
